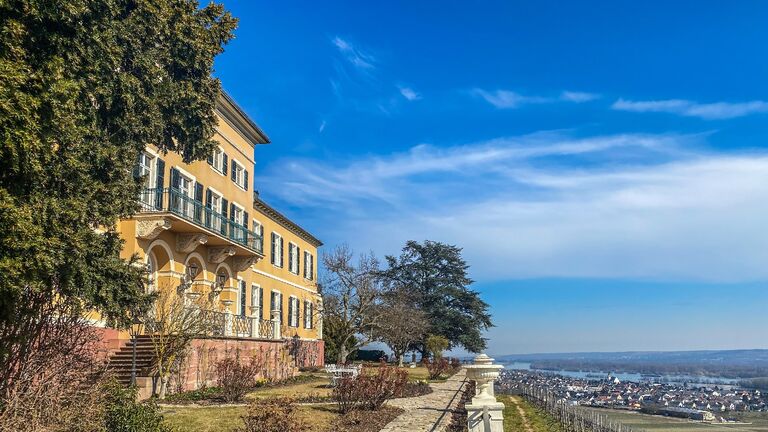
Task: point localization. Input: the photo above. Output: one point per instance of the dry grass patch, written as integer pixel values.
(227, 419)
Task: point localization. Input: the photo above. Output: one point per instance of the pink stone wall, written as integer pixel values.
(198, 369)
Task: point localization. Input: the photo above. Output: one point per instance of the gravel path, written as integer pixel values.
(431, 412)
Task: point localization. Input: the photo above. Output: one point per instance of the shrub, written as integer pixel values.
(455, 363)
(437, 367)
(436, 344)
(370, 389)
(273, 415)
(124, 414)
(235, 376)
(201, 394)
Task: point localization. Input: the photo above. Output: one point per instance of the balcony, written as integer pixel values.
(190, 216)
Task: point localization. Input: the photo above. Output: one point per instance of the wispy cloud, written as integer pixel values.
(707, 111)
(525, 206)
(578, 97)
(507, 99)
(409, 93)
(354, 55)
(322, 127)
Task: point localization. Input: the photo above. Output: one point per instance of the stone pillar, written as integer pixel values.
(229, 318)
(276, 324)
(255, 321)
(484, 412)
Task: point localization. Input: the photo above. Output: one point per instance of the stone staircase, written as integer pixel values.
(120, 361)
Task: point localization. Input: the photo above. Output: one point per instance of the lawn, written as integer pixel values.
(316, 385)
(520, 416)
(226, 419)
(666, 424)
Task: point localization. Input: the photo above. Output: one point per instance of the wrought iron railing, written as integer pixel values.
(241, 326)
(176, 202)
(215, 323)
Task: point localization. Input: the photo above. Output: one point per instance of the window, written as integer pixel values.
(277, 249)
(215, 205)
(293, 258)
(256, 295)
(239, 175)
(241, 298)
(276, 304)
(257, 228)
(184, 194)
(145, 169)
(309, 265)
(238, 215)
(293, 311)
(308, 314)
(217, 160)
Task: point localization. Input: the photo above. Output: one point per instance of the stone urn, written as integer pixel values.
(484, 373)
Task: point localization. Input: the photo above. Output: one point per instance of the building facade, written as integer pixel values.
(203, 230)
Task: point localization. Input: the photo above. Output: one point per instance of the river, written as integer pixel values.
(634, 377)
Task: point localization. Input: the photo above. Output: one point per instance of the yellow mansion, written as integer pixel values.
(203, 227)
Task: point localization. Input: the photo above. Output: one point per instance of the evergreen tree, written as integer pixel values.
(85, 86)
(436, 274)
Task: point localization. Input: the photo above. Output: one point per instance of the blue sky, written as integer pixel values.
(603, 165)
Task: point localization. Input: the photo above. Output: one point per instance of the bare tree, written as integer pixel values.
(173, 322)
(52, 363)
(352, 296)
(401, 324)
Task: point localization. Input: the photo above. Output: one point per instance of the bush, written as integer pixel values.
(201, 394)
(437, 367)
(236, 376)
(370, 355)
(273, 415)
(124, 414)
(370, 389)
(455, 363)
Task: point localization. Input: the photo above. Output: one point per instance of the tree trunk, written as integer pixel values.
(342, 358)
(400, 360)
(163, 387)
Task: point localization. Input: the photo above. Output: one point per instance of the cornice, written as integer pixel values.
(239, 120)
(278, 217)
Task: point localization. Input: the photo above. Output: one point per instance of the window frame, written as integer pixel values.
(218, 163)
(239, 179)
(293, 261)
(277, 248)
(295, 309)
(309, 265)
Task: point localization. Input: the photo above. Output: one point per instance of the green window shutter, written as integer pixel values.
(245, 177)
(234, 171)
(282, 252)
(159, 184)
(272, 247)
(175, 179)
(225, 159)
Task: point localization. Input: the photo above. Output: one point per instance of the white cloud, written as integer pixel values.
(578, 97)
(354, 55)
(672, 215)
(409, 93)
(322, 127)
(707, 111)
(505, 99)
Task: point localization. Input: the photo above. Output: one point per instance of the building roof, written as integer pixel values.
(278, 217)
(237, 118)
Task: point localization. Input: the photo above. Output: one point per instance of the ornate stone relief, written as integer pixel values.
(149, 229)
(217, 255)
(243, 263)
(186, 243)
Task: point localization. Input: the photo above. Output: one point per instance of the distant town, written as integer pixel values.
(714, 403)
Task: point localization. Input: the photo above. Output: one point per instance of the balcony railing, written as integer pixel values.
(176, 202)
(223, 324)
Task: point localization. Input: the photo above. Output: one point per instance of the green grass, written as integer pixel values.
(666, 424)
(532, 417)
(227, 419)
